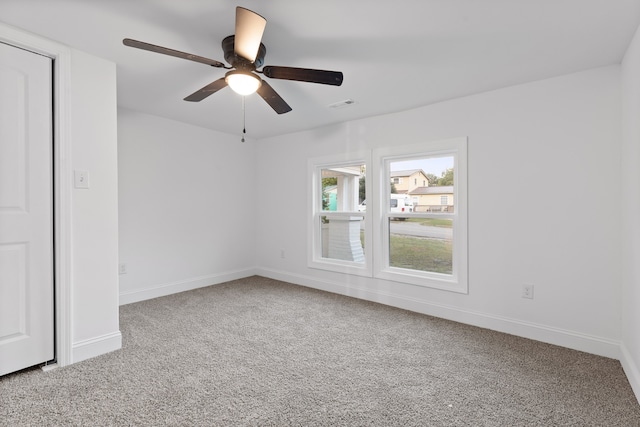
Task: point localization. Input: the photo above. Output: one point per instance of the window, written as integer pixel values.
(422, 243)
(417, 237)
(337, 223)
(426, 243)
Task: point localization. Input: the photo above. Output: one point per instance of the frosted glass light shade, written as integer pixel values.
(242, 83)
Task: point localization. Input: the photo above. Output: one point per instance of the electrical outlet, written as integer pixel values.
(527, 291)
(122, 269)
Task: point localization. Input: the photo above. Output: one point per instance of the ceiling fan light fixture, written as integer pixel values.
(243, 83)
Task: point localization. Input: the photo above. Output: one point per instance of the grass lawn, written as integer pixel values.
(416, 253)
(421, 254)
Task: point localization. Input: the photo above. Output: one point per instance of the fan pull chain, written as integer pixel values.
(244, 120)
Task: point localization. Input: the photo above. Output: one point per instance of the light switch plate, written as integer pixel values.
(81, 179)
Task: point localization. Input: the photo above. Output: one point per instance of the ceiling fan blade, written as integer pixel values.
(209, 89)
(172, 52)
(273, 99)
(249, 29)
(304, 75)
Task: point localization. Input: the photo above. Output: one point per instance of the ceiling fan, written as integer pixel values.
(245, 52)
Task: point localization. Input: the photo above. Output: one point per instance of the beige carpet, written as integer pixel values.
(265, 353)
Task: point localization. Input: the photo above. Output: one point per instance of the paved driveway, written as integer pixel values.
(418, 230)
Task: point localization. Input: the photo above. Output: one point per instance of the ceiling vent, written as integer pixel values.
(342, 104)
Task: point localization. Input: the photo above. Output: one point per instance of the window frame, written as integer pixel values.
(314, 252)
(382, 158)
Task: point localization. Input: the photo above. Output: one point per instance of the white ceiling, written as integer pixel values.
(395, 55)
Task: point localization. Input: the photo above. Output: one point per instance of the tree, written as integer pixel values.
(328, 182)
(447, 178)
(432, 179)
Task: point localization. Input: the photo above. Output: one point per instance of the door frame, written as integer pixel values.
(62, 173)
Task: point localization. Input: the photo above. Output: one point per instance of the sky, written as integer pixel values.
(434, 165)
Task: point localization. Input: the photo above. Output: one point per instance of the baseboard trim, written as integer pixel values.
(165, 289)
(83, 350)
(631, 369)
(556, 336)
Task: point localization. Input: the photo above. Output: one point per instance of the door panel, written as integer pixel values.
(13, 262)
(26, 214)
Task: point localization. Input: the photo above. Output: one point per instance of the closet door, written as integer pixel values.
(26, 210)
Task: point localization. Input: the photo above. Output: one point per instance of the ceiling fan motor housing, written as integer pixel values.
(237, 61)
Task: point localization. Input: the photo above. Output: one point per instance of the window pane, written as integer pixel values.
(343, 188)
(424, 244)
(342, 238)
(429, 187)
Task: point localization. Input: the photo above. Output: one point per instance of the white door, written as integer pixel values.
(26, 213)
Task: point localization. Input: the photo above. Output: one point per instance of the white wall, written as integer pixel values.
(94, 213)
(551, 149)
(630, 213)
(187, 208)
